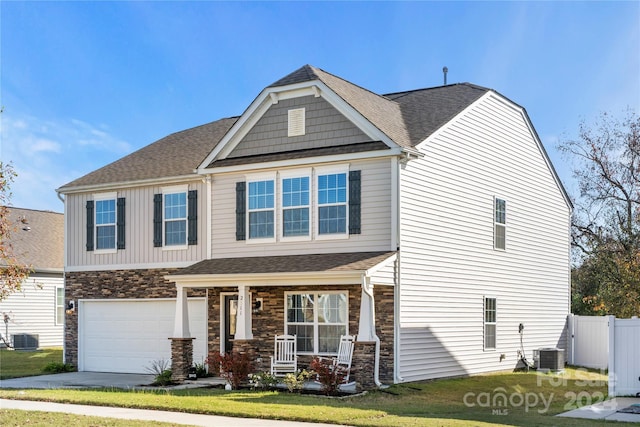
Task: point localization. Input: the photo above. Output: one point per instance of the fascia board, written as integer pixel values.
(373, 270)
(305, 161)
(455, 118)
(130, 184)
(267, 279)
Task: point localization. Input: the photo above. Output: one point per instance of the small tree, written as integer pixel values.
(606, 220)
(12, 272)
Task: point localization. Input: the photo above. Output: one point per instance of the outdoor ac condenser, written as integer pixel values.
(551, 359)
(25, 341)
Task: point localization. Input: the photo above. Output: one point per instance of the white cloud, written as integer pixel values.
(48, 153)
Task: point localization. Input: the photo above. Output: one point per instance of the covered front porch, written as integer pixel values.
(318, 298)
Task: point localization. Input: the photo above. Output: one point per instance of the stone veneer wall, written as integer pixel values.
(113, 284)
(270, 322)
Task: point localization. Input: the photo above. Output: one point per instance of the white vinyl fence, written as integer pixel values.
(589, 341)
(624, 358)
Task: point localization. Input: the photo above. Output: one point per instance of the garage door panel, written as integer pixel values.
(127, 336)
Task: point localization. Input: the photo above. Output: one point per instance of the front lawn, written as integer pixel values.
(508, 399)
(16, 363)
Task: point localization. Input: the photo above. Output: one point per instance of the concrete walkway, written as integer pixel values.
(607, 410)
(180, 418)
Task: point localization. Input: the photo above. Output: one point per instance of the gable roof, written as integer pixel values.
(37, 238)
(407, 118)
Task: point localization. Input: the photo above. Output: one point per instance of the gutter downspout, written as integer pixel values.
(367, 289)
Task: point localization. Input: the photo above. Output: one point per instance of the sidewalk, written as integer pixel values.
(607, 410)
(150, 415)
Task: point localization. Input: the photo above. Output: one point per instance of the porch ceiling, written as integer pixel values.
(332, 268)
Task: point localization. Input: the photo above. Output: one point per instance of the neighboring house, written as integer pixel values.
(430, 223)
(37, 310)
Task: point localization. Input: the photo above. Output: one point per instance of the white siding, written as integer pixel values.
(447, 257)
(139, 251)
(385, 276)
(375, 223)
(33, 310)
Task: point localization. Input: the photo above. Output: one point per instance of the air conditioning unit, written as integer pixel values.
(551, 359)
(25, 341)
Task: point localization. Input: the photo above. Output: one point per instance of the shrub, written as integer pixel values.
(295, 382)
(201, 370)
(264, 381)
(57, 368)
(329, 376)
(161, 369)
(234, 367)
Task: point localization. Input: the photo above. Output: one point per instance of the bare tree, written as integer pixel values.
(606, 220)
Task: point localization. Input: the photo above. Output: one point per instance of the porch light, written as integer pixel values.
(257, 305)
(71, 307)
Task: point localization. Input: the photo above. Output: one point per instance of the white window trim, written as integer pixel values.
(316, 342)
(97, 198)
(485, 323)
(296, 173)
(272, 176)
(175, 189)
(496, 224)
(329, 170)
(57, 306)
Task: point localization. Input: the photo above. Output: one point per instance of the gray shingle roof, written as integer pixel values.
(37, 238)
(407, 118)
(356, 261)
(175, 155)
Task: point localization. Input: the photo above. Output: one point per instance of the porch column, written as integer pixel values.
(243, 317)
(367, 326)
(181, 323)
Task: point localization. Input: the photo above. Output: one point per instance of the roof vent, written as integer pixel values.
(296, 122)
(445, 70)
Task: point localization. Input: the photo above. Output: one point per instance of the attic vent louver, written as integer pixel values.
(296, 122)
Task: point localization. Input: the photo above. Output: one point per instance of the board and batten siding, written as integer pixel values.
(139, 251)
(448, 263)
(375, 218)
(32, 310)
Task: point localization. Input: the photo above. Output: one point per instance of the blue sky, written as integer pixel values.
(85, 83)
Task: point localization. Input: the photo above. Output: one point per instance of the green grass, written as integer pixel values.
(532, 400)
(16, 364)
(17, 418)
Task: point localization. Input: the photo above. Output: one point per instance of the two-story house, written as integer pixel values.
(429, 223)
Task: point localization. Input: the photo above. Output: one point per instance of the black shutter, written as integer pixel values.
(354, 202)
(241, 210)
(157, 220)
(192, 217)
(89, 225)
(120, 223)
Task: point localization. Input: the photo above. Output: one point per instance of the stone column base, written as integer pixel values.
(181, 358)
(362, 365)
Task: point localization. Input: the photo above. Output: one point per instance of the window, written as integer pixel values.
(318, 320)
(489, 323)
(59, 306)
(332, 203)
(261, 209)
(295, 206)
(106, 224)
(500, 228)
(175, 219)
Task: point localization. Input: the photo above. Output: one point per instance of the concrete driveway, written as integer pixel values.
(98, 380)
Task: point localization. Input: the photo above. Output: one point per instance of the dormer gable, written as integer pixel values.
(271, 124)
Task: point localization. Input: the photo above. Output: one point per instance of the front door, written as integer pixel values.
(230, 315)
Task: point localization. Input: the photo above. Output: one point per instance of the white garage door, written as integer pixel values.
(128, 335)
